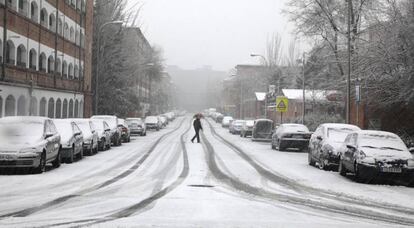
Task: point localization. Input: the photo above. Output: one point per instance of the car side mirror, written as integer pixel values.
(78, 133)
(48, 135)
(411, 150)
(319, 137)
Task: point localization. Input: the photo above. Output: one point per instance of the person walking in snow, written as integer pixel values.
(197, 127)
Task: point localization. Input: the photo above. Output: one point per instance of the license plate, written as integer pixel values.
(391, 170)
(7, 157)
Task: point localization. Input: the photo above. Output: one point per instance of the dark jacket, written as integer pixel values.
(197, 124)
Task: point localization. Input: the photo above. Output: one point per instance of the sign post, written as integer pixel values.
(282, 104)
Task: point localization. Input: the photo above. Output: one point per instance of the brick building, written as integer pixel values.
(46, 54)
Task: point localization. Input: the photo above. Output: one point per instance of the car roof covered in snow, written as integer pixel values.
(267, 120)
(379, 133)
(340, 125)
(103, 116)
(79, 120)
(26, 119)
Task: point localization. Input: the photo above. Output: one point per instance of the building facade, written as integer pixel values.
(46, 55)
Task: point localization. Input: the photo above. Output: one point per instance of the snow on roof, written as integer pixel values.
(297, 94)
(341, 125)
(260, 96)
(380, 133)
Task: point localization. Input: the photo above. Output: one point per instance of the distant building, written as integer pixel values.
(46, 54)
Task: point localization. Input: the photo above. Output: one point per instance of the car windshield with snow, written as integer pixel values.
(288, 136)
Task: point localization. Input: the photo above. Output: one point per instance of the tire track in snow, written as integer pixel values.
(62, 199)
(140, 206)
(289, 199)
(300, 188)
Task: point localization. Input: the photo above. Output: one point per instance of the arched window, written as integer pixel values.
(21, 56)
(34, 11)
(1, 50)
(60, 27)
(44, 18)
(83, 6)
(42, 62)
(77, 41)
(81, 109)
(10, 106)
(12, 4)
(23, 5)
(52, 22)
(66, 31)
(80, 72)
(51, 65)
(21, 106)
(42, 107)
(73, 3)
(65, 109)
(58, 109)
(33, 106)
(76, 109)
(59, 66)
(51, 108)
(1, 107)
(78, 4)
(70, 71)
(10, 52)
(82, 39)
(32, 59)
(65, 69)
(71, 108)
(76, 71)
(72, 34)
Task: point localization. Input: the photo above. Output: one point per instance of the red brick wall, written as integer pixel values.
(88, 58)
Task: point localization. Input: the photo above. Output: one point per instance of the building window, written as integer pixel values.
(21, 106)
(70, 71)
(23, 7)
(21, 56)
(32, 59)
(51, 65)
(33, 106)
(77, 40)
(52, 22)
(76, 109)
(59, 66)
(42, 62)
(42, 108)
(60, 27)
(72, 34)
(10, 106)
(34, 12)
(1, 107)
(1, 51)
(58, 109)
(44, 18)
(51, 108)
(66, 31)
(65, 109)
(76, 73)
(10, 52)
(12, 4)
(65, 69)
(71, 108)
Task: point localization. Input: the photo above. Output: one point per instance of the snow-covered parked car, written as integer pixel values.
(262, 130)
(29, 142)
(90, 136)
(164, 120)
(125, 131)
(104, 134)
(137, 126)
(227, 120)
(376, 154)
(291, 136)
(235, 127)
(325, 143)
(153, 122)
(247, 128)
(116, 133)
(71, 139)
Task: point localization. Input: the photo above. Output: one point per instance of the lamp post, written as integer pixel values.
(98, 61)
(348, 81)
(266, 64)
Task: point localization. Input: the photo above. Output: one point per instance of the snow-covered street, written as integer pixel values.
(164, 180)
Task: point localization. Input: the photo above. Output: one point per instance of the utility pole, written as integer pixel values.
(303, 89)
(348, 81)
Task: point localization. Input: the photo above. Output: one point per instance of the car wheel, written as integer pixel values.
(341, 169)
(90, 153)
(42, 164)
(56, 162)
(321, 163)
(358, 177)
(70, 159)
(272, 146)
(80, 155)
(311, 162)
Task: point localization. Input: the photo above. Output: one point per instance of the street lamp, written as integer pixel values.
(98, 60)
(265, 61)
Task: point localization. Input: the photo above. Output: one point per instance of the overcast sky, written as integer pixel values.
(220, 33)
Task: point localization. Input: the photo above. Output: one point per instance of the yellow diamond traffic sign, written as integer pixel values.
(282, 104)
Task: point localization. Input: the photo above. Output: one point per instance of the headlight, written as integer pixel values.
(28, 150)
(410, 163)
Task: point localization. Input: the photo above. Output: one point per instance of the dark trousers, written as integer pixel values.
(197, 135)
